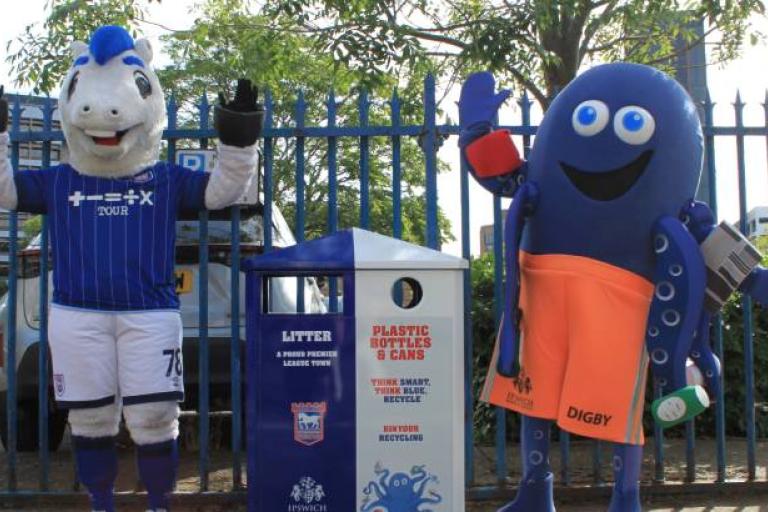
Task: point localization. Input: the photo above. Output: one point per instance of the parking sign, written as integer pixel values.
(196, 159)
(204, 160)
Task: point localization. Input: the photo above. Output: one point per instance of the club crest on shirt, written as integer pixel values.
(144, 177)
(58, 384)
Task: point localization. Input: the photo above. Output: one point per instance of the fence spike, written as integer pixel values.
(171, 109)
(16, 115)
(268, 107)
(524, 101)
(709, 109)
(394, 105)
(301, 109)
(204, 108)
(48, 107)
(708, 99)
(330, 101)
(429, 81)
(363, 105)
(738, 104)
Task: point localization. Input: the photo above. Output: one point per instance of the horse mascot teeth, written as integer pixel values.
(114, 325)
(611, 266)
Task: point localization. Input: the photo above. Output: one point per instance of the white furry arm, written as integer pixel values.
(8, 197)
(228, 179)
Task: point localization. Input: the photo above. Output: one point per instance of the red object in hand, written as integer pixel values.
(493, 155)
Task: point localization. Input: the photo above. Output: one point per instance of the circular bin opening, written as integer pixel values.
(407, 292)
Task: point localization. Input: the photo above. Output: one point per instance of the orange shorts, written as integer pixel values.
(583, 359)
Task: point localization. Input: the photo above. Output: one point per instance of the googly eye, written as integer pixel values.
(590, 117)
(634, 125)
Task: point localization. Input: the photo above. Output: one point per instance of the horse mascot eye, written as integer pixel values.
(142, 84)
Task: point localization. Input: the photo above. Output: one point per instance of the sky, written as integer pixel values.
(748, 73)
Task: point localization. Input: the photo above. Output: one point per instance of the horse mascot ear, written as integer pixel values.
(77, 48)
(144, 49)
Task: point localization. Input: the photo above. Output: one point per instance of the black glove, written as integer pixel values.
(3, 111)
(239, 121)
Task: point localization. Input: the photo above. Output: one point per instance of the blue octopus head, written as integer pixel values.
(624, 133)
(400, 486)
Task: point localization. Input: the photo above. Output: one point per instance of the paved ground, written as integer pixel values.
(581, 470)
(708, 507)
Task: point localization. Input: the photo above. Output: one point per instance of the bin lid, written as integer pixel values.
(353, 249)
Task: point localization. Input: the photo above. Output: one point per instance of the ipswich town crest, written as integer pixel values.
(308, 422)
(58, 384)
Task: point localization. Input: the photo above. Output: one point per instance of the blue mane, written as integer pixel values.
(110, 41)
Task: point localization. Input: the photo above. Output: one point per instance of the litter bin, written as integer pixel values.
(361, 407)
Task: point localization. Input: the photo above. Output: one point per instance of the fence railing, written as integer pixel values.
(430, 134)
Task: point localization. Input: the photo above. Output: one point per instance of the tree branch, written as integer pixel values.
(531, 86)
(682, 50)
(593, 25)
(429, 36)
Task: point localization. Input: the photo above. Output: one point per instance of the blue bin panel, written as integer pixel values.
(305, 413)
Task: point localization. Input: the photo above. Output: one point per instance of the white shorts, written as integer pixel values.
(100, 357)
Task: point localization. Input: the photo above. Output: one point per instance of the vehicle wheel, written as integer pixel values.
(27, 432)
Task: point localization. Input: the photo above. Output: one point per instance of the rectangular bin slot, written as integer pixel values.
(305, 294)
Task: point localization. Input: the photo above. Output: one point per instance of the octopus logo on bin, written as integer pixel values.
(375, 380)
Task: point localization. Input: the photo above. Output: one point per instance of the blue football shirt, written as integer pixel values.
(113, 239)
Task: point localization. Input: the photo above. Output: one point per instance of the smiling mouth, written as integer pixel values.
(609, 185)
(106, 137)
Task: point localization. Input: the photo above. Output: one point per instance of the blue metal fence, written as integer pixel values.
(429, 134)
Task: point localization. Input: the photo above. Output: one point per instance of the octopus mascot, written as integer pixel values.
(610, 266)
(114, 325)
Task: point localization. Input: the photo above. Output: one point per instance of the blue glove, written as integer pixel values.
(478, 106)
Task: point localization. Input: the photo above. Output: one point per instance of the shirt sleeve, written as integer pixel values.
(190, 189)
(32, 190)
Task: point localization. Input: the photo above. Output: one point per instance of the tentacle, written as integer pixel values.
(756, 285)
(699, 219)
(704, 358)
(372, 506)
(376, 489)
(432, 498)
(523, 205)
(383, 479)
(421, 485)
(680, 279)
(419, 474)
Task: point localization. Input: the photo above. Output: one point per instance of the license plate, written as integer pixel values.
(184, 281)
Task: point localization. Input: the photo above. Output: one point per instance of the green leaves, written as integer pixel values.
(277, 52)
(541, 44)
(40, 56)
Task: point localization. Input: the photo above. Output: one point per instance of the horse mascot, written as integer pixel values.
(115, 330)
